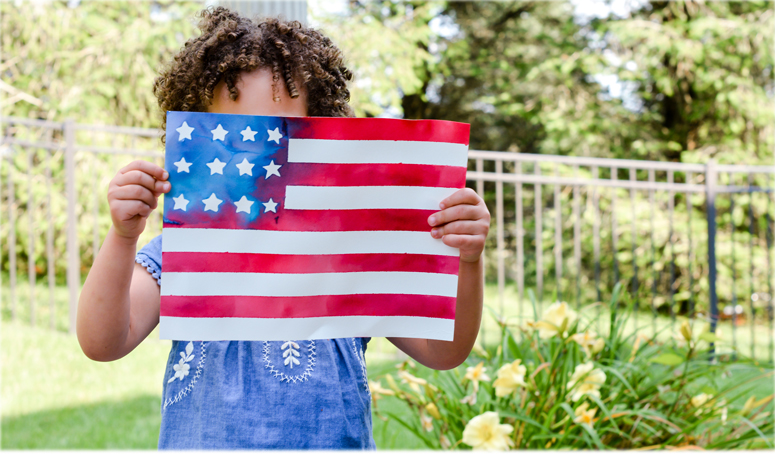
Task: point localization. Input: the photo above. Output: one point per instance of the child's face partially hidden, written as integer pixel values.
(256, 97)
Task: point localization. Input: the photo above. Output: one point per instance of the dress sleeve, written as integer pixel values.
(150, 257)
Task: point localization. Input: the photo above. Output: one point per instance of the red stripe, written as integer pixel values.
(315, 174)
(307, 220)
(378, 129)
(224, 262)
(308, 306)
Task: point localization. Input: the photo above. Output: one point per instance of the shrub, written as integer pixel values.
(554, 383)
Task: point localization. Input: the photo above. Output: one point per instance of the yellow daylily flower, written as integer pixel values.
(414, 382)
(470, 399)
(555, 321)
(485, 432)
(586, 380)
(377, 391)
(584, 415)
(589, 341)
(426, 422)
(510, 377)
(476, 374)
(700, 399)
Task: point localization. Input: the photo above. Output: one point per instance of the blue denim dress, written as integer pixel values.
(263, 395)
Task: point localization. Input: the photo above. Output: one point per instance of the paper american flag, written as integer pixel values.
(283, 228)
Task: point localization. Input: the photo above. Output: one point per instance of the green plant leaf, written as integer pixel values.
(708, 337)
(668, 359)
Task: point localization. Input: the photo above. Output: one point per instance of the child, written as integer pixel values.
(256, 395)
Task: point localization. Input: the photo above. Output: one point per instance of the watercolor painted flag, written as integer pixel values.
(283, 228)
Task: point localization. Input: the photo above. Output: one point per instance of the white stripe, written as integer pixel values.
(325, 243)
(273, 329)
(365, 197)
(308, 284)
(377, 151)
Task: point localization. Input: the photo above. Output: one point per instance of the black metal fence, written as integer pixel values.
(688, 240)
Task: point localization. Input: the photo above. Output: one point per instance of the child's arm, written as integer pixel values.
(119, 303)
(463, 223)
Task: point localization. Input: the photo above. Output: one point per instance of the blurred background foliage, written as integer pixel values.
(94, 62)
(678, 81)
(694, 78)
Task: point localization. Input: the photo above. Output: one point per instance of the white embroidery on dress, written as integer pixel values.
(362, 360)
(311, 355)
(290, 354)
(181, 368)
(197, 373)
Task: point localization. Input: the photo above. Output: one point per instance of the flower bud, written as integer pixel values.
(749, 405)
(392, 383)
(433, 410)
(686, 331)
(598, 346)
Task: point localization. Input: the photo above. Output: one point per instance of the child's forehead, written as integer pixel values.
(259, 94)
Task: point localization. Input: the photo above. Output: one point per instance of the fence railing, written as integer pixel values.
(661, 229)
(686, 240)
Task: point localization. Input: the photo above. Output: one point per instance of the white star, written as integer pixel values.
(212, 202)
(182, 165)
(248, 134)
(216, 166)
(272, 169)
(184, 131)
(219, 133)
(180, 203)
(271, 205)
(274, 135)
(245, 167)
(243, 205)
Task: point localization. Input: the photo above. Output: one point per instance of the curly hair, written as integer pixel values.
(230, 44)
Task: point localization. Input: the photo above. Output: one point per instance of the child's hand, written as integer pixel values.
(132, 195)
(462, 223)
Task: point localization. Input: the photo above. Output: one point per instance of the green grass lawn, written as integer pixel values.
(56, 398)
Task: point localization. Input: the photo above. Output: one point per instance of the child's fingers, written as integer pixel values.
(460, 228)
(146, 167)
(463, 196)
(464, 242)
(133, 208)
(136, 177)
(458, 212)
(135, 193)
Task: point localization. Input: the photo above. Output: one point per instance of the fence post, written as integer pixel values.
(711, 177)
(73, 257)
(12, 237)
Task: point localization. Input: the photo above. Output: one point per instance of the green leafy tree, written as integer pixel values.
(704, 72)
(94, 62)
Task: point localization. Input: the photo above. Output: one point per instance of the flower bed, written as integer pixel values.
(554, 383)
